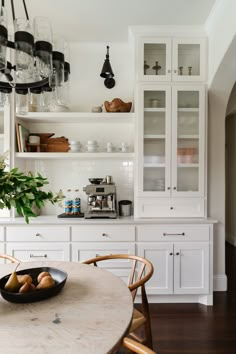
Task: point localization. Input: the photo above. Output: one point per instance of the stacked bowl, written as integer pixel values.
(92, 145)
(74, 146)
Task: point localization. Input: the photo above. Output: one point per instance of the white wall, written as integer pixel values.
(87, 90)
(87, 87)
(221, 29)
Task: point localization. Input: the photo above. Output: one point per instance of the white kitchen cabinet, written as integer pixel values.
(36, 251)
(170, 151)
(180, 255)
(180, 267)
(171, 59)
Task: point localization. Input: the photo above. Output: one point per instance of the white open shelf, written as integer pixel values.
(188, 110)
(76, 117)
(74, 155)
(154, 136)
(154, 109)
(147, 164)
(188, 136)
(187, 165)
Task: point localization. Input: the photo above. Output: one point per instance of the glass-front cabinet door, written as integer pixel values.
(188, 59)
(171, 59)
(188, 142)
(154, 59)
(154, 144)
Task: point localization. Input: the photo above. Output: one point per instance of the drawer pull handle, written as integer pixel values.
(171, 208)
(42, 256)
(104, 235)
(181, 234)
(177, 253)
(171, 254)
(37, 234)
(169, 71)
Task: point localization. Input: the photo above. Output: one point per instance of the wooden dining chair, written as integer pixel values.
(9, 258)
(141, 272)
(136, 347)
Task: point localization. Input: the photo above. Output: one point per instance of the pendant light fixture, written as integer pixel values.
(107, 72)
(36, 63)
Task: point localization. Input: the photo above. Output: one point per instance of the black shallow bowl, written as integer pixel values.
(58, 275)
(95, 180)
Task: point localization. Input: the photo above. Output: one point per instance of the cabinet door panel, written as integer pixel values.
(188, 140)
(154, 59)
(189, 59)
(154, 140)
(161, 256)
(191, 268)
(39, 251)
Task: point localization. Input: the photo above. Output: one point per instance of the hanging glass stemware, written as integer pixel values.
(145, 67)
(24, 56)
(3, 37)
(43, 46)
(58, 59)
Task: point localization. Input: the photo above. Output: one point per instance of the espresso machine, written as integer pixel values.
(101, 200)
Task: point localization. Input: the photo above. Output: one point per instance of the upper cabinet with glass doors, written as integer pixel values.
(170, 145)
(166, 59)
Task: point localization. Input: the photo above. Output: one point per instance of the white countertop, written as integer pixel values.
(53, 219)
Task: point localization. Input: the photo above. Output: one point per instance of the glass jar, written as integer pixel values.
(22, 101)
(36, 100)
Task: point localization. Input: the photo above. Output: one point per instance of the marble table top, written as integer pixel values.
(89, 316)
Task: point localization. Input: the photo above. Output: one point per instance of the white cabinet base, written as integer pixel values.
(166, 299)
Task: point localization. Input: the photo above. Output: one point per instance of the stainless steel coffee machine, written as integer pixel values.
(101, 200)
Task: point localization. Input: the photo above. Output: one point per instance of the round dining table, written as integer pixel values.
(90, 315)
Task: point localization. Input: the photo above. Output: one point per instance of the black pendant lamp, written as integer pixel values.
(107, 72)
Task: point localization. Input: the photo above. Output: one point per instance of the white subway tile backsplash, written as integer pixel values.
(74, 174)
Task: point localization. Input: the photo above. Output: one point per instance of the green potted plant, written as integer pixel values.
(23, 192)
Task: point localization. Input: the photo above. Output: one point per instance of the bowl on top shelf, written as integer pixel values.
(117, 105)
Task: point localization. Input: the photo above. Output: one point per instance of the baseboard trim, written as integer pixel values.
(219, 283)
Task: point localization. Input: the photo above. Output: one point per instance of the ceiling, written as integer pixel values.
(108, 20)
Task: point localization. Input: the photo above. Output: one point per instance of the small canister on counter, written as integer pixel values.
(76, 203)
(125, 207)
(68, 203)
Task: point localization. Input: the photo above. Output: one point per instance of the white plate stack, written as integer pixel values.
(92, 145)
(74, 146)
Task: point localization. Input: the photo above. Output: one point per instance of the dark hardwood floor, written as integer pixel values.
(195, 328)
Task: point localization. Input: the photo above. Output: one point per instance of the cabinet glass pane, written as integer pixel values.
(189, 59)
(188, 141)
(154, 140)
(154, 59)
(154, 179)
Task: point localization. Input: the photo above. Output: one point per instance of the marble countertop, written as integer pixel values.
(54, 220)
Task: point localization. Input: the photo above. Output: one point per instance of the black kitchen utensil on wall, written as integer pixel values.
(107, 72)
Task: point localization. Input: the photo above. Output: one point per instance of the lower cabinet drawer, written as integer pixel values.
(37, 233)
(174, 232)
(1, 233)
(39, 251)
(103, 233)
(170, 208)
(82, 251)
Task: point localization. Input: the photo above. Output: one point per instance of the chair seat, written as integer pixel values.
(137, 320)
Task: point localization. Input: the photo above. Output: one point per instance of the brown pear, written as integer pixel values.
(41, 275)
(25, 288)
(24, 278)
(46, 283)
(32, 287)
(12, 285)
